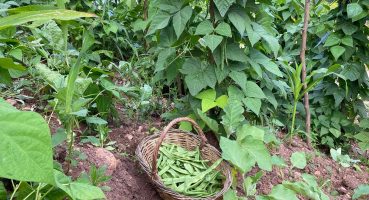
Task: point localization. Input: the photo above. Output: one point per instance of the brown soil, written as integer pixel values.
(128, 181)
(338, 182)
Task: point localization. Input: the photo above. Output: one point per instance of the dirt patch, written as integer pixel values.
(338, 182)
(128, 181)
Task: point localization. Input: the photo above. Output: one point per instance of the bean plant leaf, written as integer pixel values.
(180, 20)
(207, 99)
(333, 39)
(335, 132)
(198, 75)
(279, 192)
(204, 28)
(363, 138)
(8, 63)
(77, 190)
(211, 123)
(349, 28)
(41, 15)
(224, 29)
(253, 104)
(248, 130)
(239, 78)
(212, 41)
(253, 36)
(222, 101)
(351, 72)
(160, 21)
(223, 5)
(364, 123)
(270, 66)
(270, 39)
(237, 17)
(348, 41)
(233, 152)
(25, 146)
(361, 191)
(253, 90)
(337, 51)
(235, 53)
(298, 160)
(278, 161)
(230, 195)
(354, 10)
(233, 116)
(245, 153)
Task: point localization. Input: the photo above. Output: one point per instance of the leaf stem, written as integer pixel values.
(15, 190)
(293, 119)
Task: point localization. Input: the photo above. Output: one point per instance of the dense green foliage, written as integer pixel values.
(232, 65)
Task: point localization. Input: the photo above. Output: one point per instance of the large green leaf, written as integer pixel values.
(180, 20)
(333, 39)
(233, 116)
(237, 17)
(207, 99)
(224, 29)
(253, 90)
(349, 28)
(223, 5)
(351, 72)
(248, 130)
(270, 39)
(8, 63)
(165, 57)
(235, 53)
(253, 104)
(199, 75)
(269, 65)
(159, 21)
(212, 41)
(245, 153)
(347, 40)
(234, 153)
(337, 51)
(53, 78)
(204, 28)
(362, 190)
(354, 10)
(25, 146)
(279, 192)
(76, 190)
(41, 15)
(239, 78)
(230, 195)
(253, 36)
(298, 160)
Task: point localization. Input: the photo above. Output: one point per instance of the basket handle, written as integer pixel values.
(164, 133)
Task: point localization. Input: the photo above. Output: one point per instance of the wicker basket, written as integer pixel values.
(147, 154)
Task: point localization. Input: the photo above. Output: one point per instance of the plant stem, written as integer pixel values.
(70, 141)
(293, 119)
(38, 191)
(303, 63)
(47, 192)
(15, 190)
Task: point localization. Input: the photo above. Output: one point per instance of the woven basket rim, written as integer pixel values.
(163, 188)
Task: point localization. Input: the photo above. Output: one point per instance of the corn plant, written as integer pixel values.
(296, 85)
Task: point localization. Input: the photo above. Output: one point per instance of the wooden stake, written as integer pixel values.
(303, 63)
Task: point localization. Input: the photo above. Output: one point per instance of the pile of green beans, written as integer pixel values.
(186, 173)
